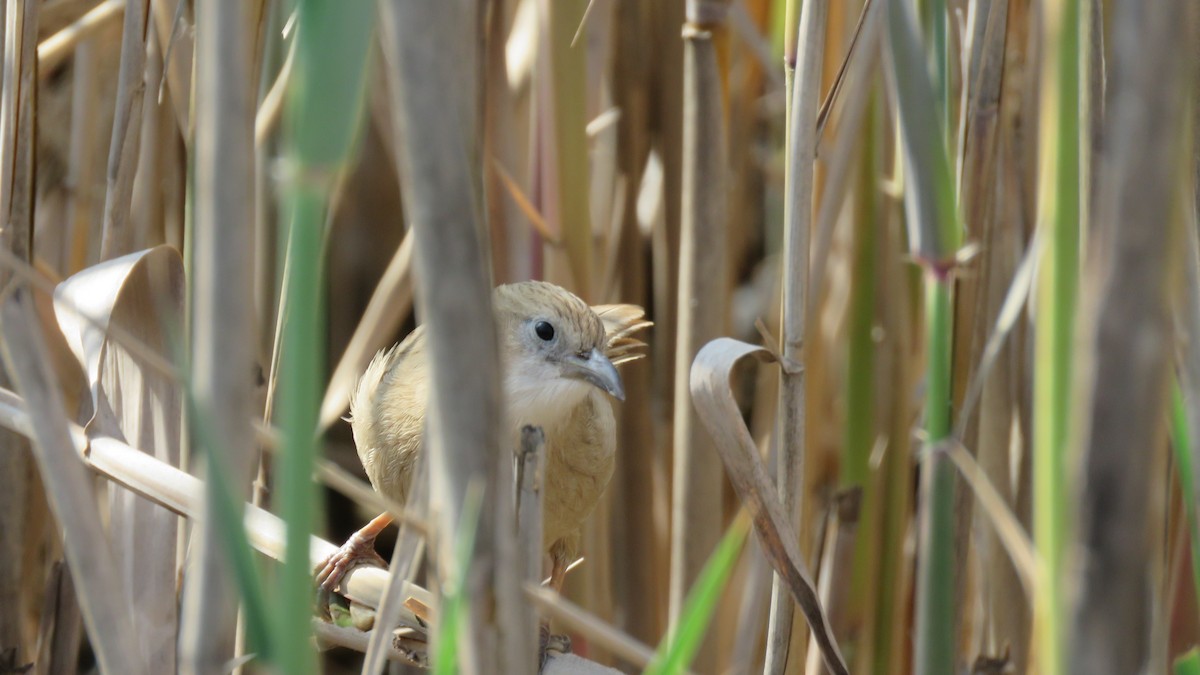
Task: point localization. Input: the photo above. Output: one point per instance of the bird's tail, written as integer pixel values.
(621, 322)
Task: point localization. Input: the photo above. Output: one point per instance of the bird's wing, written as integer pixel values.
(621, 322)
(387, 413)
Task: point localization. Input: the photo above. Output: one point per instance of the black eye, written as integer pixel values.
(544, 330)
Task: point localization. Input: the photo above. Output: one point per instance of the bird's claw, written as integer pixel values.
(357, 550)
(547, 643)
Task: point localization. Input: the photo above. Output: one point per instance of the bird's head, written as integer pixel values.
(553, 349)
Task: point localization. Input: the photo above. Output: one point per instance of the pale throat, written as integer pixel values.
(542, 401)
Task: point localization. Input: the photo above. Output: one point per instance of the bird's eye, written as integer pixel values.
(544, 330)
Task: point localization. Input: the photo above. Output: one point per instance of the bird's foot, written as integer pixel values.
(550, 644)
(358, 550)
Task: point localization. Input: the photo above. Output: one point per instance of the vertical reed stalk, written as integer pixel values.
(321, 120)
(568, 201)
(1058, 213)
(804, 102)
(18, 104)
(70, 490)
(703, 285)
(126, 133)
(432, 93)
(934, 233)
(222, 327)
(1125, 329)
(936, 626)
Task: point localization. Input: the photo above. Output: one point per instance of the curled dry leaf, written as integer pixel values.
(138, 297)
(713, 398)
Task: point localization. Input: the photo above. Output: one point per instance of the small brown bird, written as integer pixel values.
(559, 357)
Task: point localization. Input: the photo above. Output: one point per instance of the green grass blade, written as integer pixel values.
(1181, 442)
(237, 543)
(679, 648)
(1188, 664)
(322, 119)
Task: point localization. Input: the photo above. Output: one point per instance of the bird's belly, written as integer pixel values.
(579, 463)
(569, 498)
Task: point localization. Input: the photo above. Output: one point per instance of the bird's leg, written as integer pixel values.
(558, 571)
(359, 548)
(546, 641)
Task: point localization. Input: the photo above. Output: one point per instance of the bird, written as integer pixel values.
(559, 359)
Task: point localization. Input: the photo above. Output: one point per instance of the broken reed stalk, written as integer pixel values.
(321, 121)
(1126, 331)
(1058, 212)
(703, 301)
(117, 238)
(433, 91)
(804, 101)
(222, 342)
(70, 491)
(530, 479)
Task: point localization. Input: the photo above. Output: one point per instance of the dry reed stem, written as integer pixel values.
(407, 554)
(530, 478)
(223, 322)
(696, 511)
(433, 95)
(798, 207)
(101, 589)
(576, 618)
(117, 238)
(56, 48)
(17, 142)
(60, 649)
(641, 461)
(270, 110)
(1125, 330)
(80, 169)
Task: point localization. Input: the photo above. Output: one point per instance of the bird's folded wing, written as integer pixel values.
(621, 322)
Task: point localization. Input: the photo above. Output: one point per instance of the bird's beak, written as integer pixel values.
(594, 367)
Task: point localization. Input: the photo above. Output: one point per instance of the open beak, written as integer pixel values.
(594, 367)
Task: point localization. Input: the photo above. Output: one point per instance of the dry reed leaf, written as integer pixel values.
(142, 294)
(713, 397)
(1011, 533)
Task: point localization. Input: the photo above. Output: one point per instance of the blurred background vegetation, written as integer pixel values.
(965, 230)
